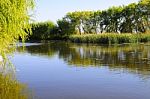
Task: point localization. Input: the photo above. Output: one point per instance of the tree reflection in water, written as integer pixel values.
(10, 88)
(133, 58)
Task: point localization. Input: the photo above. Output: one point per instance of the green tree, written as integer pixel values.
(144, 11)
(133, 18)
(14, 21)
(65, 27)
(42, 30)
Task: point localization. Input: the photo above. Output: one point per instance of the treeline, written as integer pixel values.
(133, 18)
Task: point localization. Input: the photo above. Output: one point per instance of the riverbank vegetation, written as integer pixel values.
(133, 18)
(110, 38)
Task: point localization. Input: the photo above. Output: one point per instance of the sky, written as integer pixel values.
(53, 10)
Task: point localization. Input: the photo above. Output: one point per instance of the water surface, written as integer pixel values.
(59, 70)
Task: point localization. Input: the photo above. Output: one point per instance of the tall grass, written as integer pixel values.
(110, 38)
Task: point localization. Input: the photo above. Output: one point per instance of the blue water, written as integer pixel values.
(53, 76)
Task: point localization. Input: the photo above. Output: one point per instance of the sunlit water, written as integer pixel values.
(82, 71)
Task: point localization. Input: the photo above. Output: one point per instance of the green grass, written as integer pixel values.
(110, 38)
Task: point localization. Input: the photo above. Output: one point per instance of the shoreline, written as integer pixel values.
(106, 38)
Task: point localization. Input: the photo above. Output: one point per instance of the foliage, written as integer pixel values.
(14, 22)
(133, 18)
(42, 30)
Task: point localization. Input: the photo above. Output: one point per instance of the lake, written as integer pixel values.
(60, 70)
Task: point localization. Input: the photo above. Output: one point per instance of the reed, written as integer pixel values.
(110, 38)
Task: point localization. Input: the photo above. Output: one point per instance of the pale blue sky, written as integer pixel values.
(56, 9)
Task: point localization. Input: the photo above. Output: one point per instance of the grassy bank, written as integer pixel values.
(110, 38)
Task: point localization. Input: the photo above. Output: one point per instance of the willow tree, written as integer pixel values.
(14, 21)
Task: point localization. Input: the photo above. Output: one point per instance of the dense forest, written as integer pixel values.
(133, 18)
